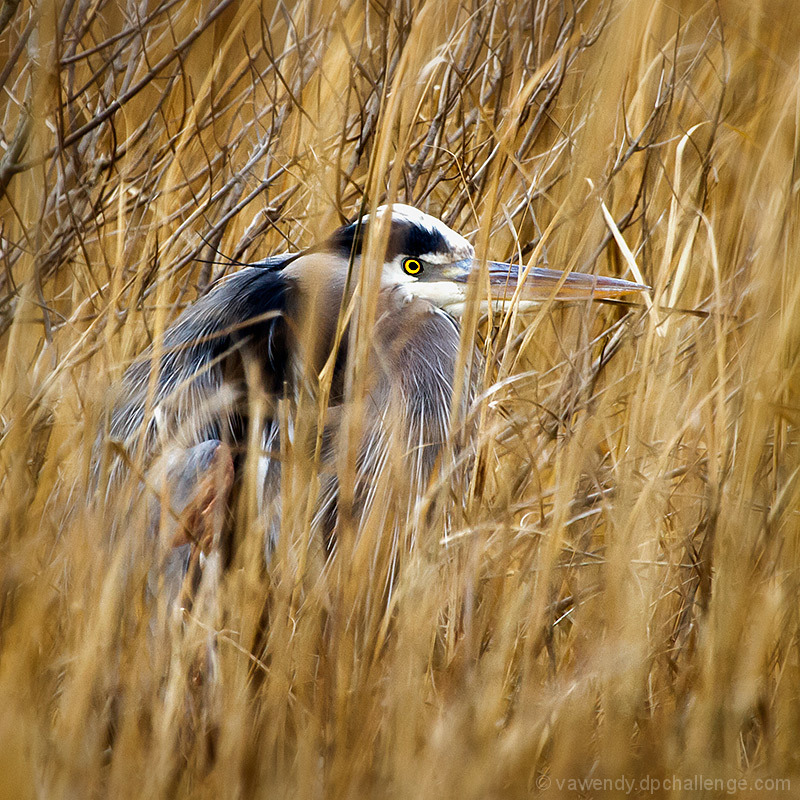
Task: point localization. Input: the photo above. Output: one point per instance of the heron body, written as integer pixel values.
(272, 326)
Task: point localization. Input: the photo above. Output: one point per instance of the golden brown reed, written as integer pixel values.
(615, 594)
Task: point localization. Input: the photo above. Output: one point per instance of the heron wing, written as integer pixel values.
(190, 388)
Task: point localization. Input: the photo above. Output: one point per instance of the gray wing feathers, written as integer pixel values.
(180, 389)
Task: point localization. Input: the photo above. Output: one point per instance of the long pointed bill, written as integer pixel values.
(542, 284)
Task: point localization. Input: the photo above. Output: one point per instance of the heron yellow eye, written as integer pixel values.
(412, 266)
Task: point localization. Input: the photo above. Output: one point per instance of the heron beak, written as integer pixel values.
(543, 284)
(535, 285)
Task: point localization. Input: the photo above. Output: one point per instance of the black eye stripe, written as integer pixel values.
(405, 238)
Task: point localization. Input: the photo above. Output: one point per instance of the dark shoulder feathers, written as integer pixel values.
(242, 317)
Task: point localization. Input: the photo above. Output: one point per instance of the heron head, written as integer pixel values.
(433, 262)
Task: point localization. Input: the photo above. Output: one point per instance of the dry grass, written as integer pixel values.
(617, 593)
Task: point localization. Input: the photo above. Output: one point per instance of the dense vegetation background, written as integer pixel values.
(616, 593)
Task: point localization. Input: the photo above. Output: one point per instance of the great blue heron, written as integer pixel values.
(274, 325)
